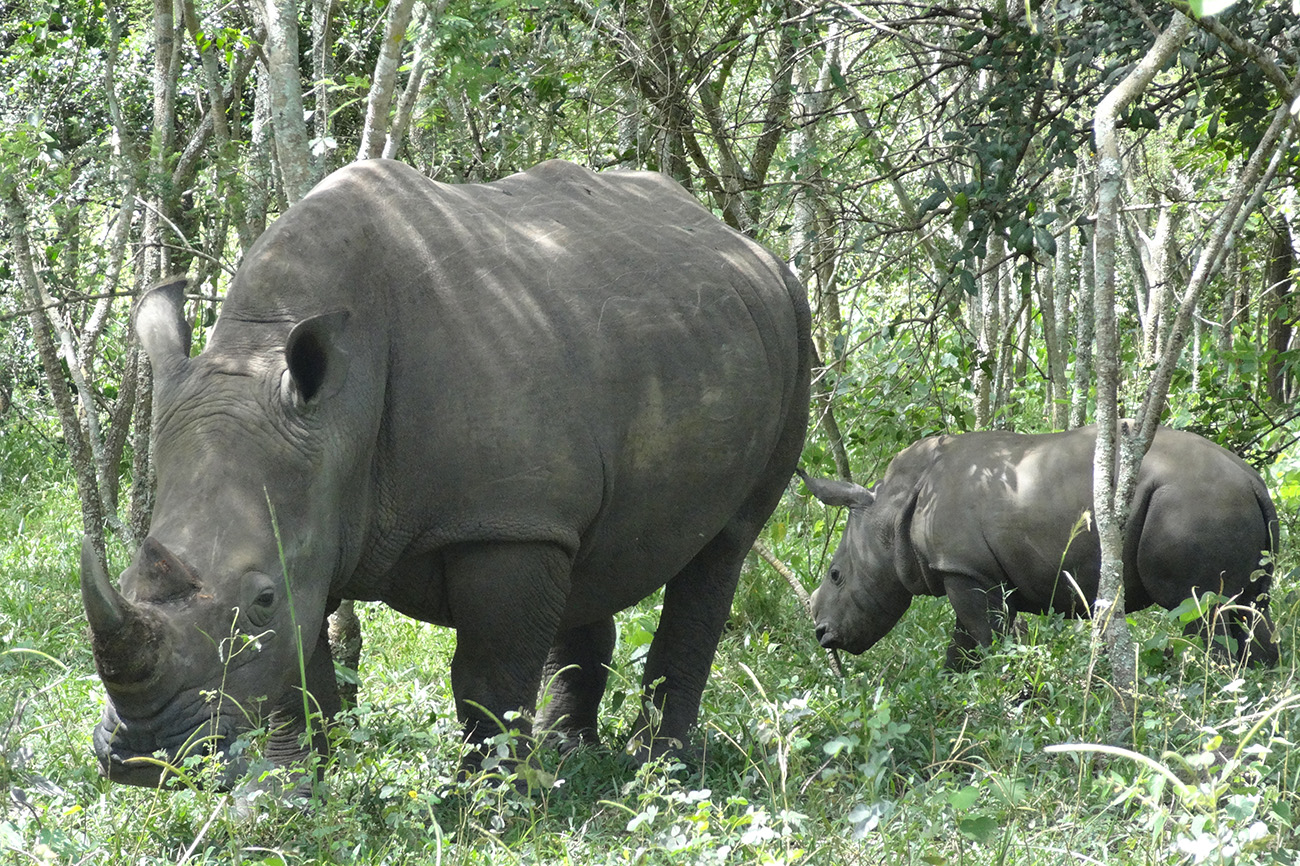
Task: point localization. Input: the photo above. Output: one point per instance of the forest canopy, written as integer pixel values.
(928, 170)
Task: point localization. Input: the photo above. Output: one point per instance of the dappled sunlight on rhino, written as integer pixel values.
(512, 408)
(999, 523)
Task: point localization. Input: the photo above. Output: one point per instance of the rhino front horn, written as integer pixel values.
(126, 639)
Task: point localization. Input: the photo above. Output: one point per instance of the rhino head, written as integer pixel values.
(223, 602)
(863, 595)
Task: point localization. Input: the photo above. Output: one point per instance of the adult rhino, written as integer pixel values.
(513, 409)
(987, 519)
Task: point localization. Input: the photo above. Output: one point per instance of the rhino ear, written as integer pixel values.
(160, 323)
(840, 493)
(317, 363)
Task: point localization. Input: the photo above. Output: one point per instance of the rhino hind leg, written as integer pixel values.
(1240, 633)
(573, 682)
(697, 602)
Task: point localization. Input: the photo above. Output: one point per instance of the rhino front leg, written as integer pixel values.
(506, 600)
(982, 613)
(292, 718)
(574, 679)
(697, 602)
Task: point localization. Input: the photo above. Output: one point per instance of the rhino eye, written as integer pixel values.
(836, 577)
(259, 600)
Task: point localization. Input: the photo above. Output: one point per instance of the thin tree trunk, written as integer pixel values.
(322, 67)
(988, 333)
(157, 259)
(427, 18)
(669, 107)
(1061, 325)
(1112, 491)
(1279, 288)
(1248, 189)
(384, 79)
(43, 317)
(1085, 333)
(292, 148)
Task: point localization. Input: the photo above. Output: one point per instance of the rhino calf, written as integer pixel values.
(992, 521)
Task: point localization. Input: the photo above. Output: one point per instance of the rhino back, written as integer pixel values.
(1202, 517)
(1002, 506)
(1016, 509)
(589, 360)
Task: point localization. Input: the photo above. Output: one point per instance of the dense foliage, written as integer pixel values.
(929, 171)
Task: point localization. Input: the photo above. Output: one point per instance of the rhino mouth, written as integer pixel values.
(145, 755)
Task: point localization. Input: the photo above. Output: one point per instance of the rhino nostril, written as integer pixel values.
(823, 633)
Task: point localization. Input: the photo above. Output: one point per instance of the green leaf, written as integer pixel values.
(1208, 8)
(963, 799)
(837, 78)
(979, 829)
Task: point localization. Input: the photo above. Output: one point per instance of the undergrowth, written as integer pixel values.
(898, 762)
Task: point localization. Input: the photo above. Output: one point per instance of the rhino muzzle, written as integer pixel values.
(148, 727)
(132, 754)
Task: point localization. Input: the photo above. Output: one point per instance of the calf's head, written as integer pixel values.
(862, 596)
(254, 465)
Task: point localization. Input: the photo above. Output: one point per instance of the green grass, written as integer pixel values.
(896, 763)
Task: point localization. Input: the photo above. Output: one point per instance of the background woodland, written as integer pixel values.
(1020, 215)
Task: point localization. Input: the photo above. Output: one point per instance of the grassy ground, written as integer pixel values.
(896, 763)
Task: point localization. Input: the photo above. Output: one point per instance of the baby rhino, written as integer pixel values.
(993, 521)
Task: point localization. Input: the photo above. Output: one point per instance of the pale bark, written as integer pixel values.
(1255, 176)
(284, 82)
(1084, 330)
(988, 322)
(426, 19)
(375, 131)
(1112, 491)
(322, 66)
(44, 317)
(1060, 324)
(1055, 306)
(157, 259)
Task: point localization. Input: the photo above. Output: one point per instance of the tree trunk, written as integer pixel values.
(670, 110)
(284, 82)
(988, 332)
(375, 131)
(322, 68)
(1084, 329)
(427, 17)
(1112, 491)
(43, 318)
(1278, 288)
(1055, 308)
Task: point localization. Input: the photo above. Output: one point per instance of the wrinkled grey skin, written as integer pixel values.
(986, 519)
(513, 409)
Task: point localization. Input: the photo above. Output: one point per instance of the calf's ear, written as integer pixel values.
(839, 493)
(317, 364)
(160, 323)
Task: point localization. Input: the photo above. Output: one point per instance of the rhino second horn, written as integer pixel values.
(127, 640)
